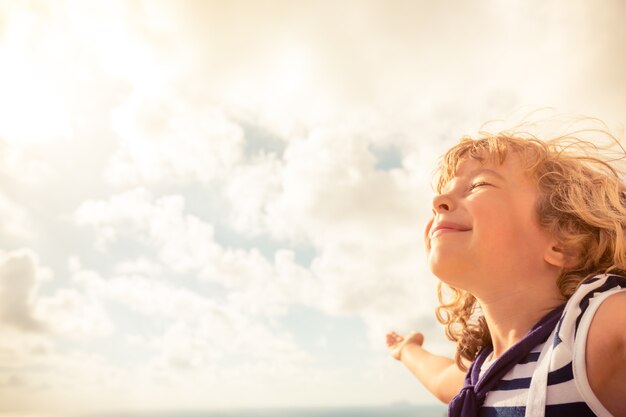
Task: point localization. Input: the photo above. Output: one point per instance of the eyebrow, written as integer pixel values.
(486, 171)
(478, 171)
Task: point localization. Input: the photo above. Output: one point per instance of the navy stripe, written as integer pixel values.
(579, 409)
(557, 339)
(511, 384)
(559, 376)
(532, 357)
(502, 412)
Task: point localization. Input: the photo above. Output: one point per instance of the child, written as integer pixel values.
(528, 239)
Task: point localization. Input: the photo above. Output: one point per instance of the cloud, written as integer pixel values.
(420, 60)
(31, 322)
(15, 222)
(347, 277)
(326, 186)
(20, 278)
(71, 313)
(366, 224)
(355, 215)
(19, 349)
(163, 139)
(19, 164)
(186, 245)
(195, 336)
(250, 189)
(198, 332)
(17, 169)
(140, 266)
(22, 307)
(382, 253)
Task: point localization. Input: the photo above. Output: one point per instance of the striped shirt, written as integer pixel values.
(552, 379)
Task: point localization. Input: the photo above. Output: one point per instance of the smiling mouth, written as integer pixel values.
(444, 230)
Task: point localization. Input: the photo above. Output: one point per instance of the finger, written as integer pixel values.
(392, 335)
(393, 339)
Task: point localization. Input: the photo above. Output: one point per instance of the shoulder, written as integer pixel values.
(583, 305)
(614, 308)
(606, 331)
(606, 351)
(603, 308)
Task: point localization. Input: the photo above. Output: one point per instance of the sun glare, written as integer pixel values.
(32, 103)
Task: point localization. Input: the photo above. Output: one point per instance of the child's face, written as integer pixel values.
(493, 227)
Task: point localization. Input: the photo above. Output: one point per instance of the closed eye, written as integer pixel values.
(478, 184)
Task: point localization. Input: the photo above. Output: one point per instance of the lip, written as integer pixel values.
(447, 227)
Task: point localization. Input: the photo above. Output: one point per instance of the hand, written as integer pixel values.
(395, 342)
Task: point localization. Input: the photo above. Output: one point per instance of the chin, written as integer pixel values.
(451, 273)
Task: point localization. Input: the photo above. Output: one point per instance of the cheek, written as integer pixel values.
(504, 225)
(426, 233)
(495, 222)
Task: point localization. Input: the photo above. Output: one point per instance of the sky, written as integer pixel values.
(218, 204)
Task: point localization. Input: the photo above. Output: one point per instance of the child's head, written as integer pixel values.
(485, 226)
(578, 203)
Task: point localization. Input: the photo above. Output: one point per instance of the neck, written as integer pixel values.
(511, 312)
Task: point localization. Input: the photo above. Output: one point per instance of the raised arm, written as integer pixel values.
(439, 374)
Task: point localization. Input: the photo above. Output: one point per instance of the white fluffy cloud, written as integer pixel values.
(71, 313)
(67, 311)
(382, 252)
(16, 170)
(31, 323)
(20, 277)
(366, 224)
(166, 140)
(186, 245)
(219, 324)
(362, 268)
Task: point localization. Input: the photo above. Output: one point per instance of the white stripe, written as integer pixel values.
(524, 370)
(562, 356)
(537, 391)
(511, 398)
(563, 393)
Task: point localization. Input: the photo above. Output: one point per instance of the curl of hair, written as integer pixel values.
(582, 204)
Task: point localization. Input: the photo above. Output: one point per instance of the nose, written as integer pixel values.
(442, 203)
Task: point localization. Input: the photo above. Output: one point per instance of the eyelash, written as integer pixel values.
(477, 184)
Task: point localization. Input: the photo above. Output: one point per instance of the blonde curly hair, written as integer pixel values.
(582, 203)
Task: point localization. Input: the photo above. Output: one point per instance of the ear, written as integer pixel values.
(558, 256)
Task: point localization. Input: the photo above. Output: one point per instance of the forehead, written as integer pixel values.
(509, 168)
(468, 165)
